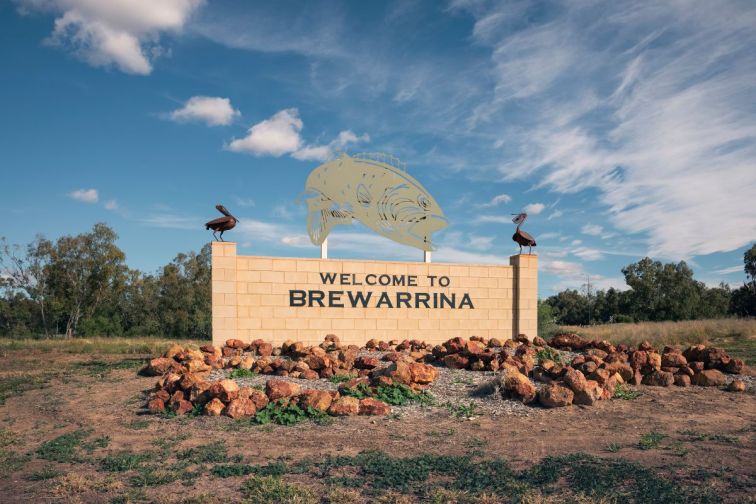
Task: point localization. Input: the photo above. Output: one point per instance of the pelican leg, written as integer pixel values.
(520, 249)
(530, 249)
(216, 238)
(221, 236)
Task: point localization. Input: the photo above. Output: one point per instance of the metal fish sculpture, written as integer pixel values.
(374, 190)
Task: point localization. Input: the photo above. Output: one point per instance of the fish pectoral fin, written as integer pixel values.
(320, 222)
(363, 195)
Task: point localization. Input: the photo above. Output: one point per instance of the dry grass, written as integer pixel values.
(738, 336)
(99, 345)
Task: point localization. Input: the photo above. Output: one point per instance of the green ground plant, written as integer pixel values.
(241, 373)
(63, 448)
(650, 440)
(624, 392)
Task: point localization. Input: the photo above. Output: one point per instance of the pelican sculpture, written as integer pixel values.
(222, 224)
(521, 237)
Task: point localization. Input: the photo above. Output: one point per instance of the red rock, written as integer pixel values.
(709, 378)
(159, 366)
(596, 352)
(318, 399)
(654, 361)
(568, 340)
(259, 398)
(696, 366)
(332, 339)
(601, 376)
(156, 406)
(265, 350)
(735, 366)
(210, 349)
(278, 389)
(163, 395)
(197, 366)
(422, 373)
(622, 368)
(225, 390)
(241, 408)
(494, 343)
(645, 346)
(345, 406)
(456, 361)
(235, 343)
(659, 379)
(673, 360)
(309, 375)
(474, 347)
(578, 360)
(517, 386)
(575, 380)
(371, 344)
(176, 397)
(590, 393)
(555, 396)
(172, 351)
(638, 359)
(183, 407)
(393, 357)
(315, 362)
(370, 406)
(539, 342)
(521, 338)
(399, 372)
(214, 407)
(736, 386)
(682, 380)
(455, 345)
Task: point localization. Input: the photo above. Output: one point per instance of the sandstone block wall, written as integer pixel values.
(251, 298)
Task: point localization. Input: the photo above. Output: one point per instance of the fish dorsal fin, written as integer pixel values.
(363, 195)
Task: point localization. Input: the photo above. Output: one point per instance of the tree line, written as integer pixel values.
(81, 286)
(656, 292)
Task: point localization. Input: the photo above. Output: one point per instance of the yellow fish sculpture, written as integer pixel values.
(374, 190)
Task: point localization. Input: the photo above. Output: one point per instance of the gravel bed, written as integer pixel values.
(453, 389)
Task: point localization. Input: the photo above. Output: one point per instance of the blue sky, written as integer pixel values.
(625, 128)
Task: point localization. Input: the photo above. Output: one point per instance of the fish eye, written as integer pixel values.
(423, 201)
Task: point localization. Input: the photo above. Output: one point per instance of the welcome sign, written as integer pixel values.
(278, 299)
(362, 299)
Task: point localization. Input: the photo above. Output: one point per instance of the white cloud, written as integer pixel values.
(534, 208)
(555, 214)
(111, 205)
(85, 195)
(324, 152)
(576, 242)
(591, 229)
(212, 110)
(275, 136)
(497, 200)
(280, 135)
(124, 33)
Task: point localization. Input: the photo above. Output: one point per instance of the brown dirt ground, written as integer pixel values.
(108, 404)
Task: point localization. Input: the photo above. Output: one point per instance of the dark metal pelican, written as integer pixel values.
(521, 237)
(222, 224)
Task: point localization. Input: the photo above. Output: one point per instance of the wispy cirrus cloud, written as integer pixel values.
(658, 116)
